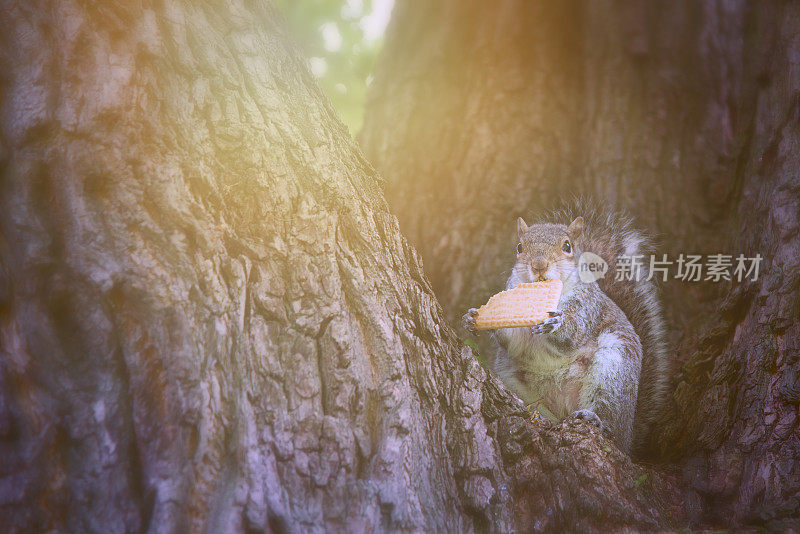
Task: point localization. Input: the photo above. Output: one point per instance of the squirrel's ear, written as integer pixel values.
(521, 227)
(576, 227)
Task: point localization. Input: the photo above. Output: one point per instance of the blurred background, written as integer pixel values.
(342, 39)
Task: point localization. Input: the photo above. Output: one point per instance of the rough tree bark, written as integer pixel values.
(209, 320)
(684, 113)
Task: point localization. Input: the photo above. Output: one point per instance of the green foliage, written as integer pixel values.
(342, 55)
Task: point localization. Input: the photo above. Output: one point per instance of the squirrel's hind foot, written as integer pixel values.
(589, 416)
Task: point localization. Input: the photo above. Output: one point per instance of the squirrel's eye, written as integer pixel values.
(566, 247)
(519, 248)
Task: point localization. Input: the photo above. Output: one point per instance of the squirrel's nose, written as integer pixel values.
(540, 265)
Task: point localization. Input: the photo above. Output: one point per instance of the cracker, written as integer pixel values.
(525, 305)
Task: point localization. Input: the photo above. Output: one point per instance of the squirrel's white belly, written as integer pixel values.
(540, 374)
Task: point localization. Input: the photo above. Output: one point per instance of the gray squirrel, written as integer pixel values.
(601, 355)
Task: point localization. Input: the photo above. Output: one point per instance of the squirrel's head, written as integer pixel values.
(546, 251)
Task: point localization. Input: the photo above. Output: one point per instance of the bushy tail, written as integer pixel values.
(610, 234)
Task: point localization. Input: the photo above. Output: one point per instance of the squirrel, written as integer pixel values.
(602, 355)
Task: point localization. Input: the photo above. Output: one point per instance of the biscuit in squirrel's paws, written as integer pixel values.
(525, 305)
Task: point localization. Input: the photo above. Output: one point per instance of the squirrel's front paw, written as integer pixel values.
(589, 416)
(549, 325)
(468, 321)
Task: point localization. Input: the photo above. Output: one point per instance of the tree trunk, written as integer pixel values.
(209, 320)
(685, 114)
